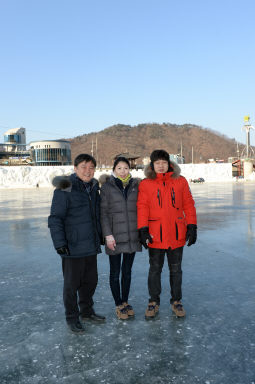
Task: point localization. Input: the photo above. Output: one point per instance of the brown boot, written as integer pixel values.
(178, 309)
(129, 309)
(151, 310)
(121, 312)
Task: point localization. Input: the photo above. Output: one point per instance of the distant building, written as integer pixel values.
(146, 160)
(51, 152)
(14, 151)
(47, 152)
(15, 138)
(177, 158)
(132, 158)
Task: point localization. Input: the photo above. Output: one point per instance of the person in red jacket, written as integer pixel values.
(166, 217)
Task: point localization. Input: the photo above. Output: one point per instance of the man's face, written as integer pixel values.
(160, 166)
(85, 171)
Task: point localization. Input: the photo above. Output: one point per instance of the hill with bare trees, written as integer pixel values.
(142, 139)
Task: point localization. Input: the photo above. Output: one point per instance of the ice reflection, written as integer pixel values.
(17, 204)
(229, 207)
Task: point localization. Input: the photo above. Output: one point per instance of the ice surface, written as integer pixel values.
(214, 344)
(26, 176)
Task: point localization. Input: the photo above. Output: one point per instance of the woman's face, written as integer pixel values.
(121, 170)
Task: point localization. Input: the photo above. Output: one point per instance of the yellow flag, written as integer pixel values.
(246, 118)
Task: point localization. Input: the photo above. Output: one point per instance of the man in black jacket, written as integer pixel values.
(75, 229)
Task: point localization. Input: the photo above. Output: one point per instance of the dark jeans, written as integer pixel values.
(80, 281)
(174, 258)
(126, 267)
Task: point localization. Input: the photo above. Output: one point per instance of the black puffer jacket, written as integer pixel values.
(75, 218)
(119, 215)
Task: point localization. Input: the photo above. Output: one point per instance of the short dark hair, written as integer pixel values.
(84, 157)
(118, 160)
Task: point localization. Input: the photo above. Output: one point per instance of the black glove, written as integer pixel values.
(145, 237)
(63, 251)
(191, 235)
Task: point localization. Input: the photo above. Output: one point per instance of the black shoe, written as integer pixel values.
(93, 317)
(76, 327)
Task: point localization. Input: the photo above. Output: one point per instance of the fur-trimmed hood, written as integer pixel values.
(61, 182)
(104, 178)
(65, 182)
(150, 174)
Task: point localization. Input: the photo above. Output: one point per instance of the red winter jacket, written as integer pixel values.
(166, 206)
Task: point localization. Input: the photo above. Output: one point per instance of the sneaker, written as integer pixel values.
(151, 310)
(121, 312)
(129, 309)
(76, 327)
(178, 309)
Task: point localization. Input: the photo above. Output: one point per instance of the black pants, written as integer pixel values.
(174, 258)
(80, 281)
(126, 268)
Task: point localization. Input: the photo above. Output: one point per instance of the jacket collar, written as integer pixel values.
(164, 176)
(104, 178)
(66, 182)
(150, 174)
(82, 184)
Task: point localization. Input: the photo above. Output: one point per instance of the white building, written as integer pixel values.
(51, 152)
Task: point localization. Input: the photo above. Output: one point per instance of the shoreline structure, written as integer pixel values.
(32, 177)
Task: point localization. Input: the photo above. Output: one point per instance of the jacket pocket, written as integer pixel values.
(155, 229)
(180, 228)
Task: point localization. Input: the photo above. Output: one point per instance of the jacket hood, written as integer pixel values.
(65, 182)
(61, 182)
(104, 178)
(150, 174)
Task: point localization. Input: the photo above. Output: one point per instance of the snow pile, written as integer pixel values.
(251, 176)
(25, 176)
(209, 172)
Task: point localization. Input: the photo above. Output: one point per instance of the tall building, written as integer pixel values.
(13, 150)
(15, 139)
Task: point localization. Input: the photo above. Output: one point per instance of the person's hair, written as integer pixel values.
(118, 160)
(159, 154)
(84, 157)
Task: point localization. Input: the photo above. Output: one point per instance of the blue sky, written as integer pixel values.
(74, 67)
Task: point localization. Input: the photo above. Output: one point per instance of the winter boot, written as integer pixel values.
(94, 317)
(151, 310)
(121, 312)
(178, 309)
(129, 309)
(76, 327)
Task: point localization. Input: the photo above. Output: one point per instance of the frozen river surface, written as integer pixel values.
(214, 344)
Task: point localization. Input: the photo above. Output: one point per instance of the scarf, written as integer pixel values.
(125, 181)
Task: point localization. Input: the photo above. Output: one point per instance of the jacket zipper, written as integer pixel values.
(159, 198)
(93, 216)
(176, 229)
(173, 197)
